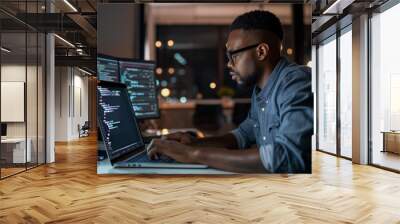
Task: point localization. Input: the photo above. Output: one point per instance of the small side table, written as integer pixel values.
(391, 141)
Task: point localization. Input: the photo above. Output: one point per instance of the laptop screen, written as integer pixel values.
(117, 121)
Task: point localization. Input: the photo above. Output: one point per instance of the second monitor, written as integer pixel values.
(139, 78)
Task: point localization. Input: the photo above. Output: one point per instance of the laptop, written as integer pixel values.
(122, 138)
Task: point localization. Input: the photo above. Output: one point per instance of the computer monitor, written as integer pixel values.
(107, 68)
(140, 81)
(3, 129)
(117, 122)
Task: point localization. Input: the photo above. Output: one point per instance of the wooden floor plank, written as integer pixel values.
(70, 191)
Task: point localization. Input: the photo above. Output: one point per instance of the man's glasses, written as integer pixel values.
(230, 54)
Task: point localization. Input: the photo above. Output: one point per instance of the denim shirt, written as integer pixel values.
(280, 120)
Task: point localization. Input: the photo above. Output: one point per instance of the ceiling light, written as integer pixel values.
(86, 72)
(70, 5)
(337, 7)
(65, 41)
(5, 50)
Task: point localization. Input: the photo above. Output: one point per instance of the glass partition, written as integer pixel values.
(385, 89)
(327, 96)
(346, 93)
(22, 91)
(14, 153)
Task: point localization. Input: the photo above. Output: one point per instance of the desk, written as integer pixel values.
(104, 167)
(165, 131)
(391, 141)
(16, 147)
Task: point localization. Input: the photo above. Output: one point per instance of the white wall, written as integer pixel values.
(15, 73)
(33, 126)
(61, 103)
(71, 94)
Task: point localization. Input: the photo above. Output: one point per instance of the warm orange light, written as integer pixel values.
(164, 131)
(171, 71)
(158, 44)
(170, 43)
(158, 71)
(213, 85)
(165, 92)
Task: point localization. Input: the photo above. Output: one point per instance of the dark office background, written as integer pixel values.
(202, 48)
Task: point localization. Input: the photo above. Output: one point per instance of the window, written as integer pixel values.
(327, 96)
(385, 88)
(345, 93)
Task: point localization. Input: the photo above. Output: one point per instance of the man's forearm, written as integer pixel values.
(243, 161)
(223, 141)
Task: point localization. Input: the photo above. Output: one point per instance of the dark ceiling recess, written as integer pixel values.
(204, 1)
(77, 28)
(325, 23)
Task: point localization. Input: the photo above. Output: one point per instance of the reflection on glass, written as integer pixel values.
(22, 91)
(385, 84)
(31, 101)
(14, 146)
(41, 98)
(345, 95)
(327, 97)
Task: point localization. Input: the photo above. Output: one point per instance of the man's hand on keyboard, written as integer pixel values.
(173, 149)
(182, 137)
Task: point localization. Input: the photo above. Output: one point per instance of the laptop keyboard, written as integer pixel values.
(143, 158)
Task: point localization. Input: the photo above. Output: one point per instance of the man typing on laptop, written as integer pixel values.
(276, 136)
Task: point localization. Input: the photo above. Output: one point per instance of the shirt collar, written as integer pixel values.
(263, 93)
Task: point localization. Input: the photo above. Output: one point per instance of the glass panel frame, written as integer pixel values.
(327, 79)
(27, 59)
(384, 87)
(345, 93)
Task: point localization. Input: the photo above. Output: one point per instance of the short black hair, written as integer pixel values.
(258, 20)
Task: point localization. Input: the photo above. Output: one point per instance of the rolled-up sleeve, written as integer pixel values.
(244, 134)
(290, 150)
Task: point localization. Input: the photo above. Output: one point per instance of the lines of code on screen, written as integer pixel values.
(107, 69)
(139, 79)
(119, 128)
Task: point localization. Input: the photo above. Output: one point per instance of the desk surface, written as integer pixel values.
(13, 140)
(104, 167)
(391, 132)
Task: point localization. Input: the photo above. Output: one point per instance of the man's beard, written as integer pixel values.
(252, 79)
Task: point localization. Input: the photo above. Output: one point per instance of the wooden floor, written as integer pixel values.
(10, 171)
(70, 191)
(387, 159)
